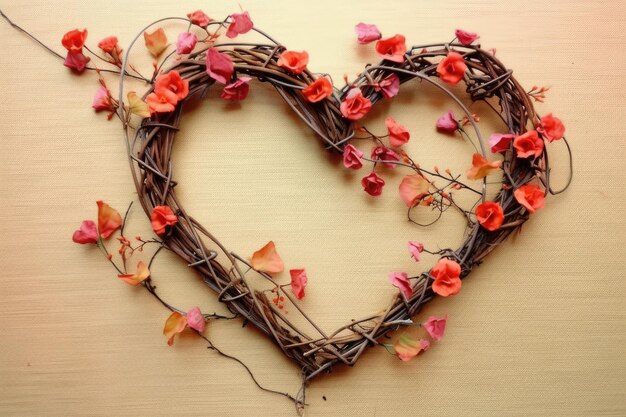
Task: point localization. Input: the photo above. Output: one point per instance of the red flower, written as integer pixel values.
(318, 90)
(398, 134)
(76, 61)
(530, 196)
(298, 282)
(162, 216)
(355, 106)
(237, 90)
(392, 49)
(464, 37)
(447, 275)
(240, 24)
(219, 66)
(352, 157)
(74, 40)
(86, 234)
(529, 144)
(373, 184)
(452, 68)
(382, 153)
(551, 128)
(199, 18)
(173, 82)
(490, 215)
(293, 61)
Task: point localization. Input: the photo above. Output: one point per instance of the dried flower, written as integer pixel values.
(530, 196)
(138, 277)
(74, 40)
(195, 320)
(318, 90)
(293, 61)
(156, 42)
(373, 184)
(390, 85)
(415, 248)
(199, 18)
(382, 153)
(551, 128)
(490, 215)
(355, 105)
(174, 324)
(102, 100)
(452, 68)
(447, 275)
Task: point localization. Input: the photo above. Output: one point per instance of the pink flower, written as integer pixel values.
(199, 18)
(102, 100)
(382, 153)
(76, 61)
(219, 66)
(464, 37)
(352, 157)
(415, 248)
(400, 280)
(237, 90)
(185, 43)
(355, 106)
(447, 123)
(424, 344)
(86, 234)
(195, 319)
(367, 33)
(390, 85)
(435, 326)
(373, 184)
(398, 134)
(500, 142)
(240, 24)
(298, 282)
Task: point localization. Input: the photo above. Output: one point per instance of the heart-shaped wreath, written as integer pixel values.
(198, 64)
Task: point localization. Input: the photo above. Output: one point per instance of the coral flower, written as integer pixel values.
(392, 49)
(109, 220)
(481, 167)
(551, 128)
(298, 282)
(490, 215)
(530, 196)
(293, 61)
(352, 157)
(161, 101)
(172, 81)
(398, 134)
(238, 90)
(355, 105)
(240, 24)
(500, 142)
(162, 216)
(447, 123)
(74, 40)
(318, 90)
(185, 43)
(219, 66)
(529, 144)
(110, 45)
(373, 184)
(199, 18)
(452, 68)
(447, 275)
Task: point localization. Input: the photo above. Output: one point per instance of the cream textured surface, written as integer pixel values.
(538, 330)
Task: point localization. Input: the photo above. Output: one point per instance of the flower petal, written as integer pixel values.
(109, 220)
(174, 324)
(137, 106)
(267, 259)
(413, 188)
(156, 42)
(138, 277)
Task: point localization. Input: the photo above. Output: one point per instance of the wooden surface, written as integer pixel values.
(538, 330)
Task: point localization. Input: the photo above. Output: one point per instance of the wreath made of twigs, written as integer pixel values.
(150, 152)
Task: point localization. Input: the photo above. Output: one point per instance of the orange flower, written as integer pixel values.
(530, 196)
(109, 220)
(529, 144)
(447, 275)
(481, 167)
(398, 134)
(355, 105)
(551, 127)
(74, 40)
(175, 324)
(452, 68)
(293, 61)
(267, 259)
(392, 49)
(162, 216)
(318, 90)
(161, 101)
(138, 277)
(406, 348)
(490, 215)
(156, 42)
(413, 188)
(172, 81)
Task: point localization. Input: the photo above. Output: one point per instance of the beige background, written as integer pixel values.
(538, 330)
